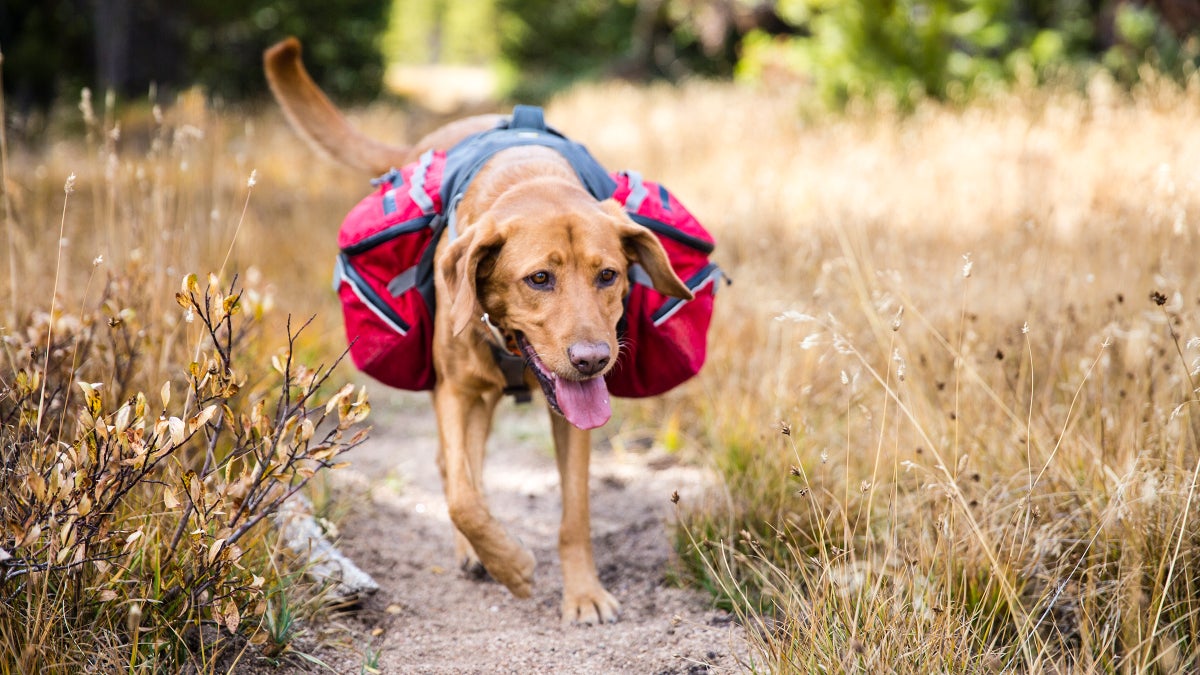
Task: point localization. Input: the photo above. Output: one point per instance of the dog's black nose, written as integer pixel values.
(589, 358)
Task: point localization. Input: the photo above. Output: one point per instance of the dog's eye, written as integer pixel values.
(606, 277)
(541, 280)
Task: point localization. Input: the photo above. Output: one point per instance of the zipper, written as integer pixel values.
(387, 234)
(670, 232)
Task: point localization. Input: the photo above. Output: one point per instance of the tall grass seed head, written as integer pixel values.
(901, 367)
(85, 106)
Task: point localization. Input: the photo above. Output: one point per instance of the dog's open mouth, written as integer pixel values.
(584, 403)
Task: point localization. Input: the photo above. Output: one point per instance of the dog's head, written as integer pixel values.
(550, 267)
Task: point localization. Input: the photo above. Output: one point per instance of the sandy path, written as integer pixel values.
(429, 618)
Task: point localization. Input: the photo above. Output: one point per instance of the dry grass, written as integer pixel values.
(956, 431)
(1001, 475)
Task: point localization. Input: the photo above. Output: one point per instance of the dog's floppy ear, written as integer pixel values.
(459, 269)
(643, 247)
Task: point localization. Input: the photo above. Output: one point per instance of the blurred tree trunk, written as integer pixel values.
(436, 31)
(1181, 16)
(111, 19)
(642, 47)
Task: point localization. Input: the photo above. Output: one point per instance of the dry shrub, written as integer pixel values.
(146, 439)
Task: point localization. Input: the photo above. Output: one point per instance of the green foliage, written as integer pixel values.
(553, 42)
(45, 49)
(1142, 33)
(548, 45)
(442, 31)
(947, 49)
(52, 48)
(341, 43)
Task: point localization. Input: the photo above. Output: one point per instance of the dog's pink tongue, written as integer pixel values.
(584, 404)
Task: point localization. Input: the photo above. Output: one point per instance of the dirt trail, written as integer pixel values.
(434, 620)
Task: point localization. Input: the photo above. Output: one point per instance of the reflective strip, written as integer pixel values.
(679, 303)
(403, 282)
(417, 192)
(389, 202)
(371, 306)
(637, 192)
(337, 273)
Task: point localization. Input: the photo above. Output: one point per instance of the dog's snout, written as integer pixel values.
(589, 358)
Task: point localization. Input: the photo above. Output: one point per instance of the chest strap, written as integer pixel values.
(513, 367)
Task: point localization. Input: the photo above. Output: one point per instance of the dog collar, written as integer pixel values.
(497, 334)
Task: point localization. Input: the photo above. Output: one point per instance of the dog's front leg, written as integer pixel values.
(463, 422)
(584, 598)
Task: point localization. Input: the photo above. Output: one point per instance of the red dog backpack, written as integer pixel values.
(666, 337)
(384, 277)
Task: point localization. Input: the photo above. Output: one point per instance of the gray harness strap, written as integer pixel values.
(527, 127)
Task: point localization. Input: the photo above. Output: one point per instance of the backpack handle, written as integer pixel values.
(527, 117)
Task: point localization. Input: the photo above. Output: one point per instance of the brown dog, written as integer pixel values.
(548, 263)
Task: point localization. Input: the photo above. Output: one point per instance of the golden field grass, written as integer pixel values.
(955, 431)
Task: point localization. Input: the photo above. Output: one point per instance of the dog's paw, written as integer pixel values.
(516, 572)
(589, 606)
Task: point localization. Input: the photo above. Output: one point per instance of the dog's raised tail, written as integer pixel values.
(317, 120)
